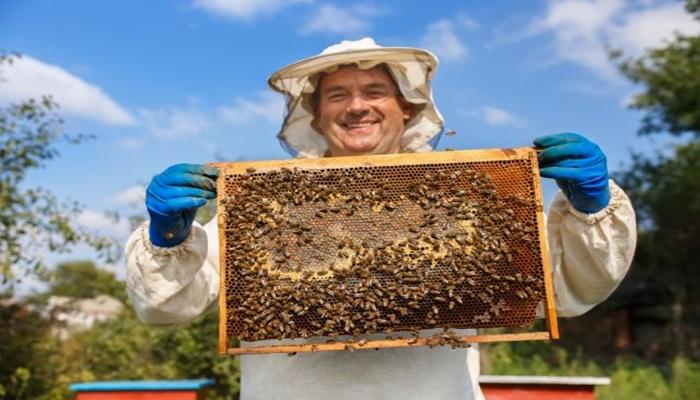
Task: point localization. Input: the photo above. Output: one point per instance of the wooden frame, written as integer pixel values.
(551, 332)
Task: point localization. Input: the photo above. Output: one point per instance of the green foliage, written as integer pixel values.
(685, 382)
(635, 380)
(664, 192)
(83, 279)
(126, 349)
(671, 77)
(33, 219)
(24, 374)
(194, 349)
(664, 189)
(36, 365)
(536, 358)
(658, 186)
(631, 379)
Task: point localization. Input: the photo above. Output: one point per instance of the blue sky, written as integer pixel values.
(161, 82)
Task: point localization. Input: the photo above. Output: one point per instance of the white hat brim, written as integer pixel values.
(412, 68)
(310, 66)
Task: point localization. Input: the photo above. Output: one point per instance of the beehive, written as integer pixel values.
(350, 247)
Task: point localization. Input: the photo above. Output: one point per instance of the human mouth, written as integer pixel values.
(358, 127)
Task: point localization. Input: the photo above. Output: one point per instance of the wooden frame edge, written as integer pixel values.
(384, 344)
(550, 312)
(380, 160)
(456, 156)
(223, 311)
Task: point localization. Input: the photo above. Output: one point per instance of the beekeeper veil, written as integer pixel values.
(411, 68)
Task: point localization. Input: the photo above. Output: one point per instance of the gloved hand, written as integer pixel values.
(172, 200)
(579, 167)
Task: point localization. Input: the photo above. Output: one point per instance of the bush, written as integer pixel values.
(631, 378)
(125, 349)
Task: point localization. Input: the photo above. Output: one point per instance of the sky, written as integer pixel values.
(163, 82)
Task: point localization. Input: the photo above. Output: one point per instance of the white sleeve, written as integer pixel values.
(589, 253)
(173, 285)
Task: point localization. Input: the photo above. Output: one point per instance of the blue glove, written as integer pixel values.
(172, 200)
(579, 166)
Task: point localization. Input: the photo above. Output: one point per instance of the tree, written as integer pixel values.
(83, 279)
(36, 365)
(666, 194)
(33, 220)
(25, 346)
(671, 77)
(665, 190)
(126, 349)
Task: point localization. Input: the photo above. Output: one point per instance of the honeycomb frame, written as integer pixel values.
(386, 217)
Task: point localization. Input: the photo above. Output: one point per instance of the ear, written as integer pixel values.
(408, 109)
(314, 125)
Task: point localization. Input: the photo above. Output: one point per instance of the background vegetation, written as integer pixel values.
(646, 337)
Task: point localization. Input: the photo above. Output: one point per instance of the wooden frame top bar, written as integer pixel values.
(455, 156)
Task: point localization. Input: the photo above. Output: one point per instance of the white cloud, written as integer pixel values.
(577, 27)
(467, 22)
(131, 196)
(341, 20)
(588, 87)
(104, 223)
(627, 100)
(584, 30)
(650, 28)
(268, 106)
(28, 77)
(245, 9)
(441, 37)
(173, 123)
(132, 143)
(495, 116)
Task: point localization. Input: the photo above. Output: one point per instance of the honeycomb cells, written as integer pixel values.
(377, 249)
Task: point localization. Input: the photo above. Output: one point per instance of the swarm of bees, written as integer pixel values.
(357, 251)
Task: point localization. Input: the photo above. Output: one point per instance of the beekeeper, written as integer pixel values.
(359, 98)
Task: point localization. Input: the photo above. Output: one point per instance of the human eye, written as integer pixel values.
(377, 93)
(335, 96)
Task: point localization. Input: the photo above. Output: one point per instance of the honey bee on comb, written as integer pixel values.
(324, 252)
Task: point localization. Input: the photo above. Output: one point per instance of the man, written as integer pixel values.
(359, 98)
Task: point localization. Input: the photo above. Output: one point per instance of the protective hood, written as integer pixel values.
(411, 68)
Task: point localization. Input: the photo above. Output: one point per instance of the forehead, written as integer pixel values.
(349, 75)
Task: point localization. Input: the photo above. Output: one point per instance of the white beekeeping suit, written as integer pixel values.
(590, 254)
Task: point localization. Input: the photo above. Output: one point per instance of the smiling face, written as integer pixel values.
(360, 111)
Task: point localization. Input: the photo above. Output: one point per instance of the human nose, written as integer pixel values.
(357, 103)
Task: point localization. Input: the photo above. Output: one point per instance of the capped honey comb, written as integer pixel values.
(350, 247)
